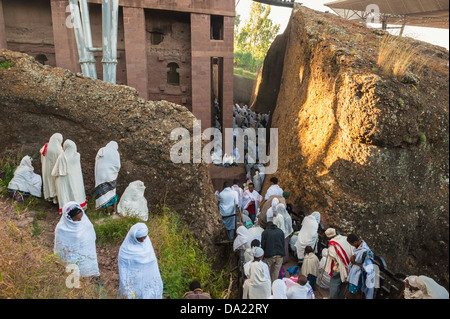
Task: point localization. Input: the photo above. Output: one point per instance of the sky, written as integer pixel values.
(280, 15)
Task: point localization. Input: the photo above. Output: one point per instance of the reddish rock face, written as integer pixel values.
(367, 150)
(37, 101)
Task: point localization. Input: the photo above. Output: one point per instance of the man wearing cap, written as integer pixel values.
(258, 256)
(339, 253)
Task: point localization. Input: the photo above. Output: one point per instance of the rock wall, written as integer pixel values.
(243, 89)
(368, 151)
(37, 101)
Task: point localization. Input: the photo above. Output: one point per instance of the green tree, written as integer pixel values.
(258, 32)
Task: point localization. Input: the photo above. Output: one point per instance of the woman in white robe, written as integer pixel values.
(107, 167)
(138, 266)
(286, 228)
(133, 202)
(69, 177)
(243, 239)
(307, 236)
(75, 241)
(257, 286)
(49, 154)
(25, 182)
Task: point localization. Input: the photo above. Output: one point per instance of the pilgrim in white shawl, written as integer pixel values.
(107, 167)
(339, 253)
(423, 287)
(286, 228)
(272, 211)
(228, 200)
(75, 240)
(138, 266)
(258, 286)
(279, 290)
(243, 239)
(361, 273)
(239, 191)
(258, 256)
(300, 290)
(257, 182)
(25, 182)
(324, 278)
(251, 201)
(49, 154)
(307, 236)
(69, 177)
(274, 189)
(133, 202)
(248, 253)
(310, 266)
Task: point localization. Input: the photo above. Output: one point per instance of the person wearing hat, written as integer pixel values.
(258, 256)
(338, 260)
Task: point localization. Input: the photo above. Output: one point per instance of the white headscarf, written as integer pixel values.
(138, 267)
(281, 209)
(133, 202)
(307, 235)
(243, 239)
(257, 286)
(49, 154)
(107, 167)
(75, 242)
(272, 209)
(69, 177)
(429, 287)
(279, 289)
(25, 180)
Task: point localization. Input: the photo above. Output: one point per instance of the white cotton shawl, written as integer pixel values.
(257, 182)
(324, 277)
(310, 265)
(281, 210)
(296, 291)
(257, 286)
(133, 202)
(274, 190)
(256, 231)
(75, 242)
(69, 177)
(243, 239)
(25, 180)
(430, 288)
(279, 289)
(107, 167)
(138, 267)
(307, 235)
(251, 196)
(52, 151)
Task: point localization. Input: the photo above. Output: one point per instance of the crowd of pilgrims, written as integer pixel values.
(265, 232)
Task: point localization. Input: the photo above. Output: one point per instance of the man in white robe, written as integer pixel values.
(239, 191)
(228, 203)
(339, 254)
(274, 189)
(257, 286)
(251, 201)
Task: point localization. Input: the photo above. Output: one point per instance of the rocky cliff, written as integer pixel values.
(37, 101)
(368, 150)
